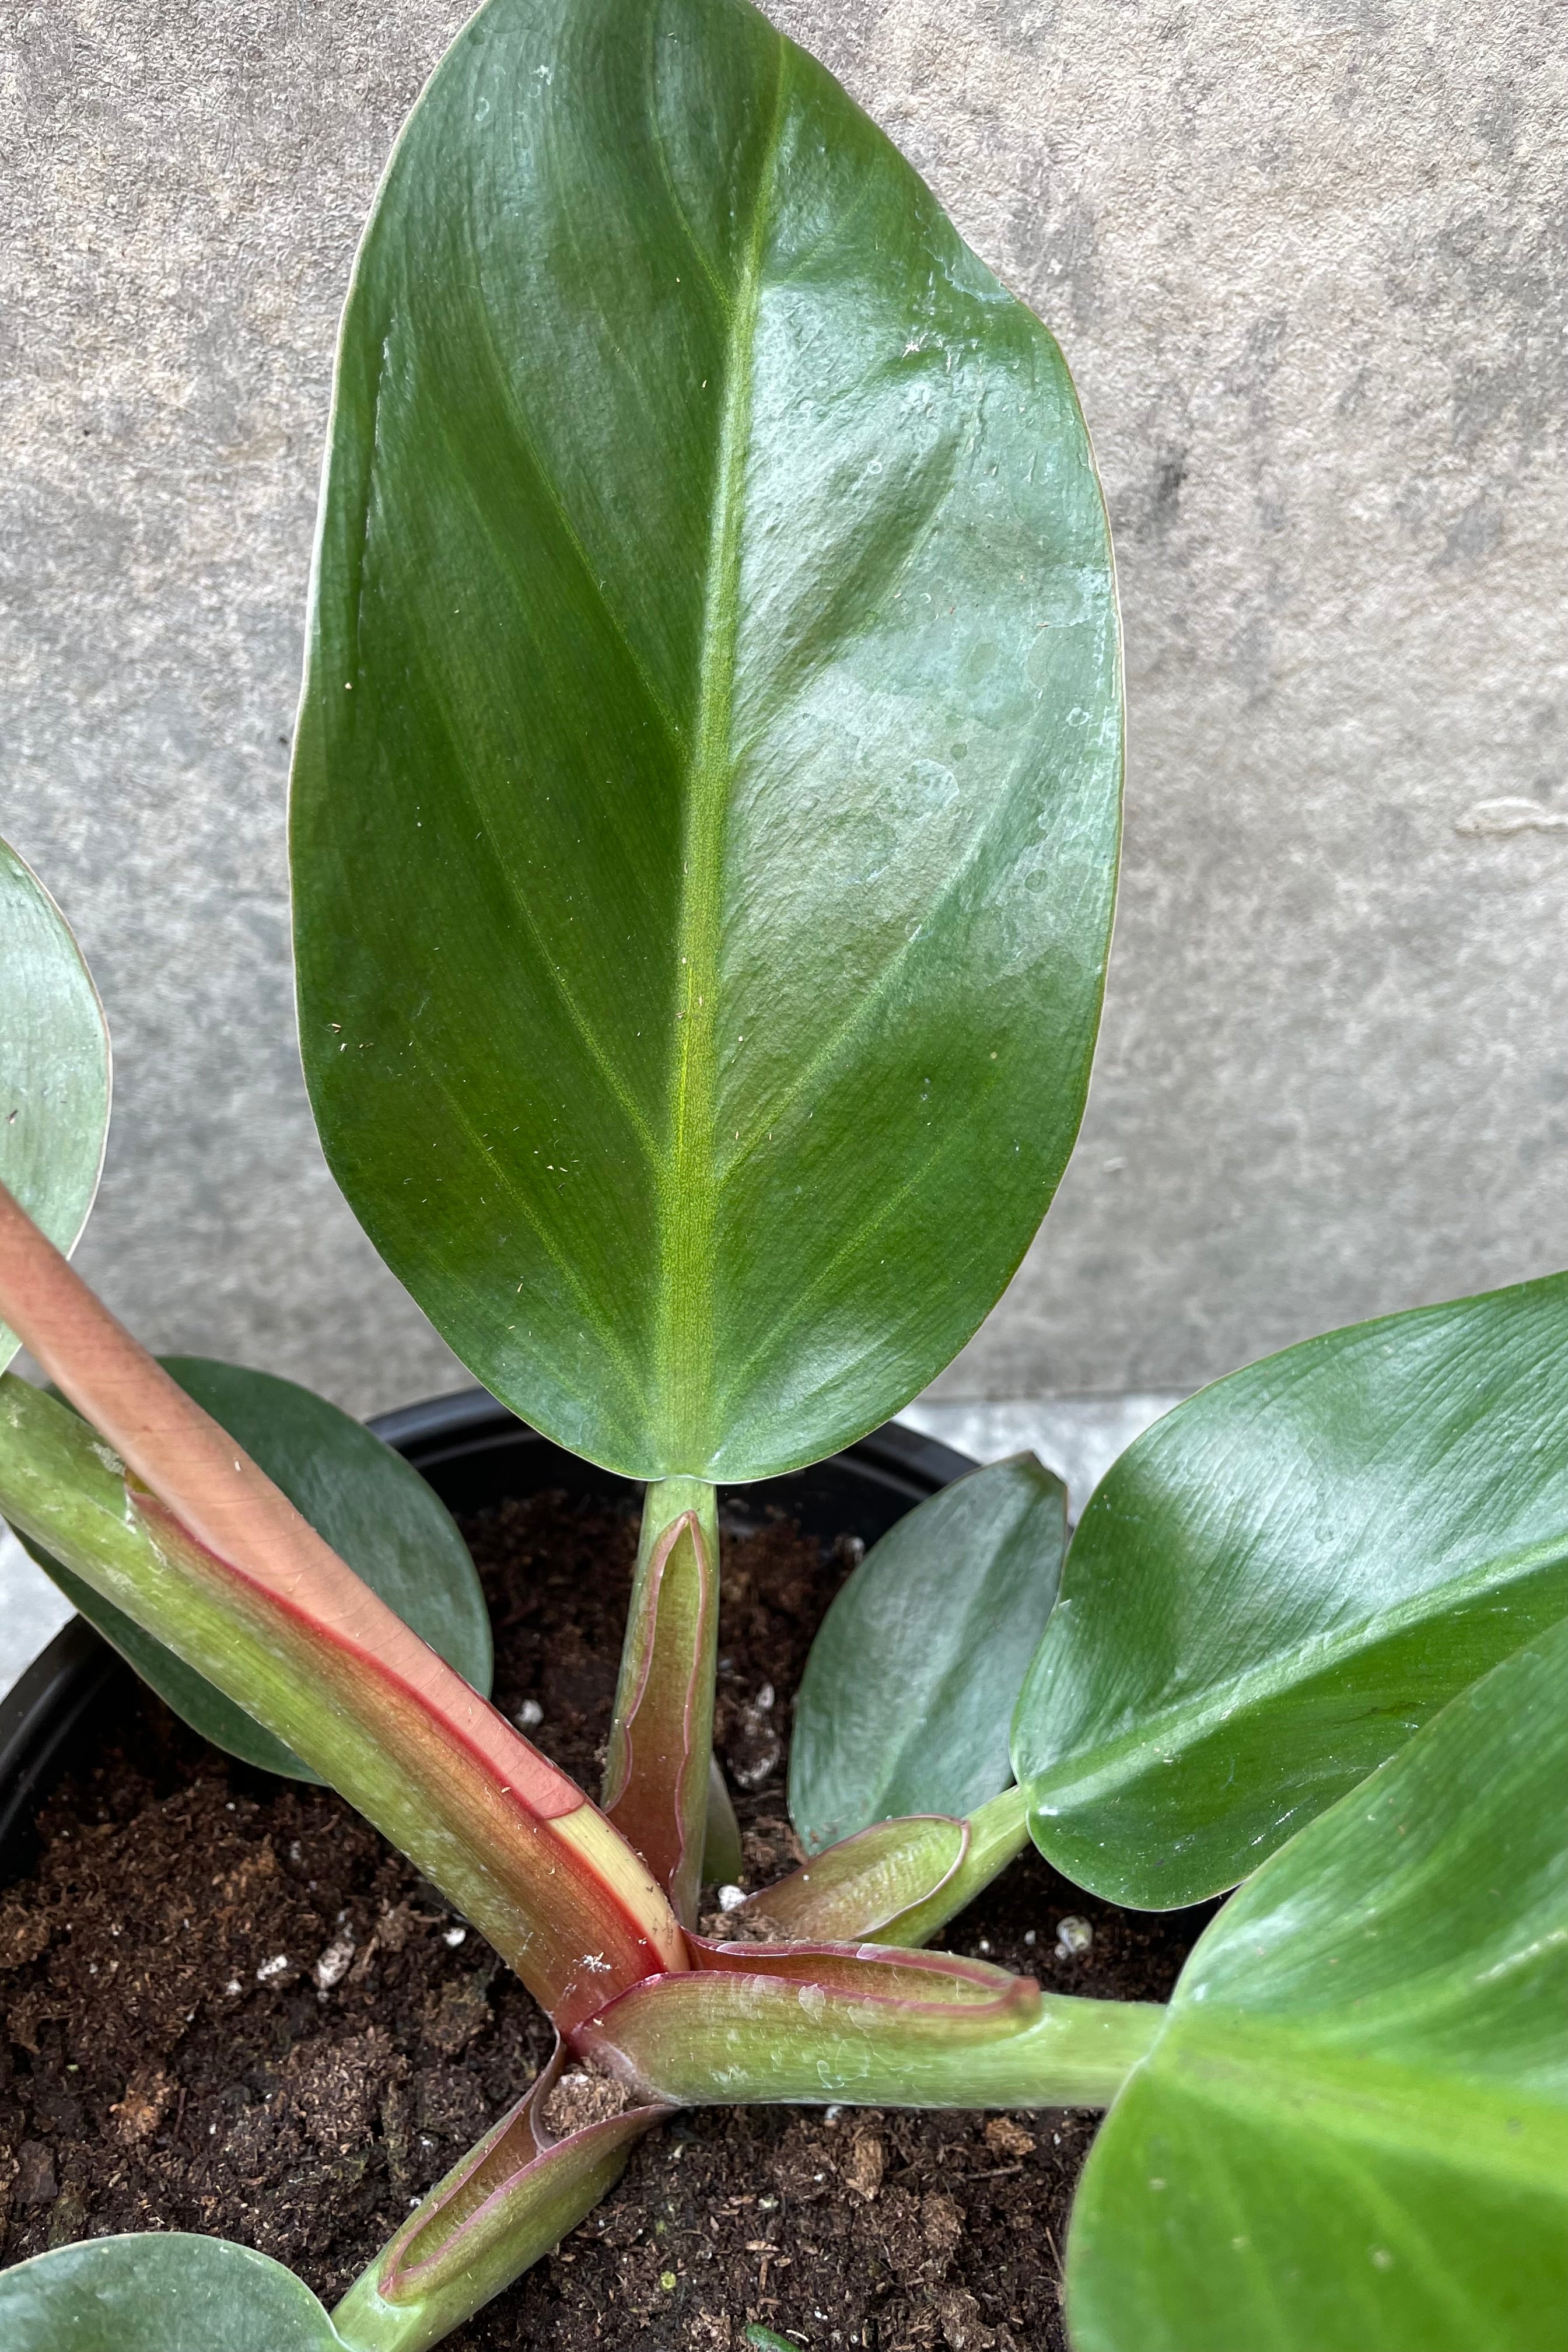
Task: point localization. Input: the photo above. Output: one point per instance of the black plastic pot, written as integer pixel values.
(474, 1453)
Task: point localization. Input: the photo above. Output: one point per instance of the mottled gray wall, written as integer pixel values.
(1306, 258)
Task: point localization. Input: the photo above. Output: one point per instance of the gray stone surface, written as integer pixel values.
(1306, 258)
(1077, 1438)
(32, 1611)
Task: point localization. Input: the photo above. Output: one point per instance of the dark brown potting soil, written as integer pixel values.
(230, 2007)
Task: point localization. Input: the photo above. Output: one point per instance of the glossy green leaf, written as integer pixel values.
(159, 2291)
(375, 1511)
(1352, 2130)
(904, 1703)
(707, 783)
(1287, 1575)
(54, 1065)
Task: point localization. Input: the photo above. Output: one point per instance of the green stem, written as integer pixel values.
(737, 2038)
(658, 1766)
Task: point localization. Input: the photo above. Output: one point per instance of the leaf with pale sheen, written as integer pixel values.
(1281, 1581)
(904, 1703)
(1353, 2129)
(54, 1066)
(706, 796)
(372, 1507)
(159, 2291)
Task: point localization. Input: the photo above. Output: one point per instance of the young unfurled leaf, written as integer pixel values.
(375, 1511)
(706, 795)
(1284, 1577)
(904, 1704)
(54, 1065)
(1352, 2129)
(159, 2291)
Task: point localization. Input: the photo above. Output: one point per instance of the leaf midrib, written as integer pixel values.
(687, 1193)
(1113, 1763)
(1229, 2060)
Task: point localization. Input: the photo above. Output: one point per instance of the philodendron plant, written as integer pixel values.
(704, 828)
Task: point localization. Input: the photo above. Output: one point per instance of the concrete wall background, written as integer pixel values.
(1307, 259)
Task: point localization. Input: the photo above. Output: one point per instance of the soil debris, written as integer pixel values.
(581, 2098)
(158, 2071)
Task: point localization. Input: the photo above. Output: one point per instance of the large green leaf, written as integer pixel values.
(1351, 2134)
(707, 785)
(54, 1065)
(1283, 1578)
(159, 2291)
(904, 1703)
(374, 1510)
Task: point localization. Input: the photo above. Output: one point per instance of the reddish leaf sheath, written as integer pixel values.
(899, 1881)
(455, 1787)
(941, 1980)
(503, 2205)
(217, 1563)
(866, 1885)
(656, 1775)
(863, 2024)
(779, 2011)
